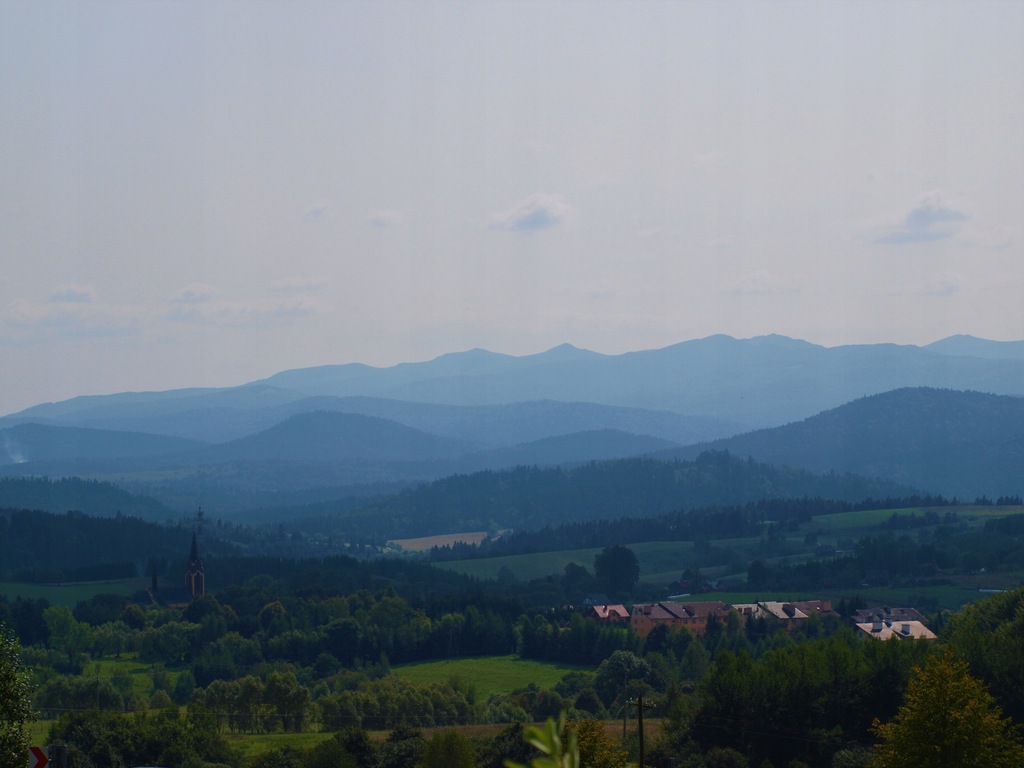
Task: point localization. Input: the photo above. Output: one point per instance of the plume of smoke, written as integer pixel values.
(13, 450)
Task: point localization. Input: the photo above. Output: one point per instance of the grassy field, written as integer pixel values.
(658, 559)
(865, 520)
(662, 561)
(70, 594)
(141, 672)
(426, 542)
(487, 675)
(251, 744)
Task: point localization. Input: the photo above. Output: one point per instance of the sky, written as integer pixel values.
(206, 193)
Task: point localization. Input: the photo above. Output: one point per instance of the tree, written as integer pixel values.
(615, 673)
(15, 706)
(618, 567)
(67, 634)
(548, 739)
(448, 749)
(597, 749)
(948, 720)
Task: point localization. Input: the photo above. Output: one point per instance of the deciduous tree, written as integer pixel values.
(619, 567)
(948, 720)
(15, 706)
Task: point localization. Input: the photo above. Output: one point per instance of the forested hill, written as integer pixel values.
(965, 444)
(531, 497)
(40, 546)
(75, 494)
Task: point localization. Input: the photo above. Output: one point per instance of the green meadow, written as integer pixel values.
(658, 559)
(70, 594)
(487, 675)
(252, 744)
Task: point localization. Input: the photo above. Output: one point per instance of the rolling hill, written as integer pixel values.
(963, 444)
(28, 442)
(336, 429)
(527, 498)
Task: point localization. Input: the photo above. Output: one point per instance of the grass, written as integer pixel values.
(871, 518)
(39, 732)
(426, 542)
(252, 744)
(662, 562)
(657, 559)
(141, 672)
(523, 567)
(70, 595)
(487, 675)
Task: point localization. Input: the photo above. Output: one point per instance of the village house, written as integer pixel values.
(612, 614)
(790, 614)
(885, 613)
(896, 630)
(691, 616)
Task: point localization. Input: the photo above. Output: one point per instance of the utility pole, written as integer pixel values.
(640, 705)
(625, 706)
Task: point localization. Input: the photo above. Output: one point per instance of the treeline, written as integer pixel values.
(720, 522)
(531, 497)
(94, 497)
(277, 655)
(42, 546)
(894, 558)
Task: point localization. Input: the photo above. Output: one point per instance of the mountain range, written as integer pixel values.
(942, 418)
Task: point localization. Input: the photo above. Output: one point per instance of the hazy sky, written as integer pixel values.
(205, 193)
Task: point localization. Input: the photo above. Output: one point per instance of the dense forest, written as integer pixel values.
(294, 656)
(316, 644)
(528, 498)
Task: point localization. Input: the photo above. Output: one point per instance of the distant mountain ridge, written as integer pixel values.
(355, 426)
(742, 384)
(963, 444)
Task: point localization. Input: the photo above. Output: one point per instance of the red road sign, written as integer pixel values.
(37, 757)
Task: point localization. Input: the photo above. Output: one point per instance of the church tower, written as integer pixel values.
(195, 578)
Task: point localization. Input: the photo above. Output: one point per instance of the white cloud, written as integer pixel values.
(384, 218)
(930, 220)
(196, 293)
(540, 211)
(74, 294)
(243, 313)
(316, 212)
(761, 283)
(70, 318)
(941, 286)
(297, 285)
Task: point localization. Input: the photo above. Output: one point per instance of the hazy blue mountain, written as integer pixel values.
(73, 494)
(531, 497)
(220, 416)
(517, 423)
(966, 444)
(339, 453)
(592, 445)
(443, 416)
(764, 381)
(25, 443)
(749, 383)
(971, 346)
(208, 415)
(325, 436)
